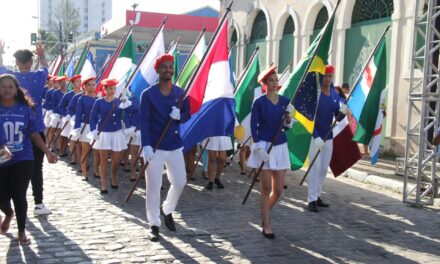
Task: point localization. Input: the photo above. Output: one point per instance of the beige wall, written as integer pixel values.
(304, 14)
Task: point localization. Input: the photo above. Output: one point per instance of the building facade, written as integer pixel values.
(93, 13)
(283, 29)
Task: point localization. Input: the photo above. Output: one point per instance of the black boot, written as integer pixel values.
(169, 221)
(320, 203)
(153, 235)
(313, 207)
(219, 184)
(209, 186)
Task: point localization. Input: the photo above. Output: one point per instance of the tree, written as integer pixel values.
(50, 42)
(65, 21)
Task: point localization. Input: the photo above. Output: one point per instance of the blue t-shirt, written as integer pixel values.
(99, 113)
(33, 82)
(3, 139)
(266, 119)
(328, 108)
(83, 110)
(154, 114)
(18, 123)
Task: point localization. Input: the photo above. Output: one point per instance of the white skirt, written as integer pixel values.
(220, 143)
(67, 129)
(278, 158)
(114, 141)
(47, 118)
(83, 137)
(136, 141)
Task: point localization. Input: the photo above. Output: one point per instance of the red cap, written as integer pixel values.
(88, 79)
(162, 59)
(329, 69)
(61, 78)
(75, 77)
(266, 73)
(109, 82)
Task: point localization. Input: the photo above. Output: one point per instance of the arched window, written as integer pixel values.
(258, 38)
(365, 10)
(233, 48)
(286, 45)
(321, 18)
(234, 38)
(259, 28)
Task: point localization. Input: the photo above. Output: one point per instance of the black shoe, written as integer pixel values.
(153, 235)
(268, 236)
(85, 179)
(114, 186)
(104, 191)
(169, 221)
(285, 186)
(96, 176)
(73, 163)
(313, 207)
(219, 184)
(320, 203)
(209, 186)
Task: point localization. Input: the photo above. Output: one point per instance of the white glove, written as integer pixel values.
(55, 120)
(175, 113)
(319, 143)
(66, 118)
(343, 109)
(75, 133)
(290, 124)
(125, 104)
(148, 153)
(93, 135)
(290, 108)
(260, 150)
(5, 154)
(129, 131)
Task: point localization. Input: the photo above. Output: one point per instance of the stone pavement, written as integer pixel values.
(365, 224)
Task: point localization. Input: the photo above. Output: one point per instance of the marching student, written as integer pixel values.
(217, 147)
(33, 82)
(110, 138)
(329, 106)
(81, 128)
(266, 118)
(158, 104)
(48, 104)
(132, 132)
(71, 111)
(65, 114)
(20, 127)
(56, 122)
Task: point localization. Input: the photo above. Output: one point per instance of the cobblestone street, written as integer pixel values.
(364, 224)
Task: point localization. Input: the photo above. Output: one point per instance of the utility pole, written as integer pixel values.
(61, 38)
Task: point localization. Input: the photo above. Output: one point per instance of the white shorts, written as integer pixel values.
(114, 141)
(220, 143)
(278, 158)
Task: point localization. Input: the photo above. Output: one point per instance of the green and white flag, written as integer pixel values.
(192, 63)
(248, 90)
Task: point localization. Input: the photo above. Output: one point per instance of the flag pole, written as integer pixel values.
(246, 69)
(242, 145)
(190, 54)
(286, 70)
(107, 60)
(83, 53)
(348, 98)
(291, 101)
(180, 102)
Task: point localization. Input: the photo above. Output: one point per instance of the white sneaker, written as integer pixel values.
(40, 209)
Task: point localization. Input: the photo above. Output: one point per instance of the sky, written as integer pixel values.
(17, 23)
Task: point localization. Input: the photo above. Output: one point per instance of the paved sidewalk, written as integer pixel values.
(365, 224)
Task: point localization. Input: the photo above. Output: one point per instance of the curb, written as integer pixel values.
(390, 184)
